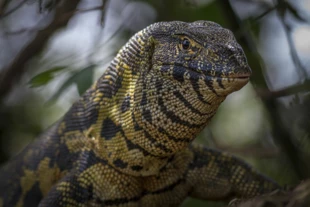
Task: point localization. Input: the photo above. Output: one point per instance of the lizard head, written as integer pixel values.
(202, 54)
(185, 71)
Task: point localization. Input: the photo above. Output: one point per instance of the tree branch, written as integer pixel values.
(266, 94)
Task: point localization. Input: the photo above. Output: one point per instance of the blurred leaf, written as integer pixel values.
(251, 25)
(255, 30)
(82, 78)
(45, 77)
(65, 85)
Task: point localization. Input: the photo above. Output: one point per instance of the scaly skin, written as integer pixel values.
(127, 141)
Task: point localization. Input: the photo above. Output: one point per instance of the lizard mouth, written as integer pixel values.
(241, 73)
(196, 74)
(240, 76)
(244, 77)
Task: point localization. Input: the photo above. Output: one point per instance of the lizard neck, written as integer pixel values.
(105, 114)
(137, 118)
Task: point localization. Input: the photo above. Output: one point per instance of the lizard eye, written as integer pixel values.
(186, 44)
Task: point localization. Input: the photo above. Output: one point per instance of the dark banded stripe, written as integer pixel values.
(197, 91)
(133, 48)
(112, 65)
(188, 104)
(209, 83)
(156, 143)
(133, 146)
(135, 44)
(178, 73)
(113, 73)
(163, 131)
(219, 81)
(131, 55)
(109, 129)
(173, 117)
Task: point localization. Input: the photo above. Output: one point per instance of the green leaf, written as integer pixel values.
(251, 25)
(45, 77)
(82, 78)
(63, 87)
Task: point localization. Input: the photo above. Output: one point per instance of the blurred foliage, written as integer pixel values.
(279, 142)
(83, 80)
(45, 77)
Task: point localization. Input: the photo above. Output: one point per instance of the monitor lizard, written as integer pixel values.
(128, 140)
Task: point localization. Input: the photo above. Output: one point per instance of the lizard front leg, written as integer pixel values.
(216, 175)
(96, 185)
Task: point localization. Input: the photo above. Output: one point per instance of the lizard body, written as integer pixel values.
(128, 140)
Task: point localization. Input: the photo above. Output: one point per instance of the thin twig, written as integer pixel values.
(243, 26)
(104, 4)
(90, 9)
(251, 151)
(266, 94)
(293, 51)
(264, 14)
(20, 31)
(12, 10)
(288, 32)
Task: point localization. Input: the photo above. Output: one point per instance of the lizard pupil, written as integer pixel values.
(185, 44)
